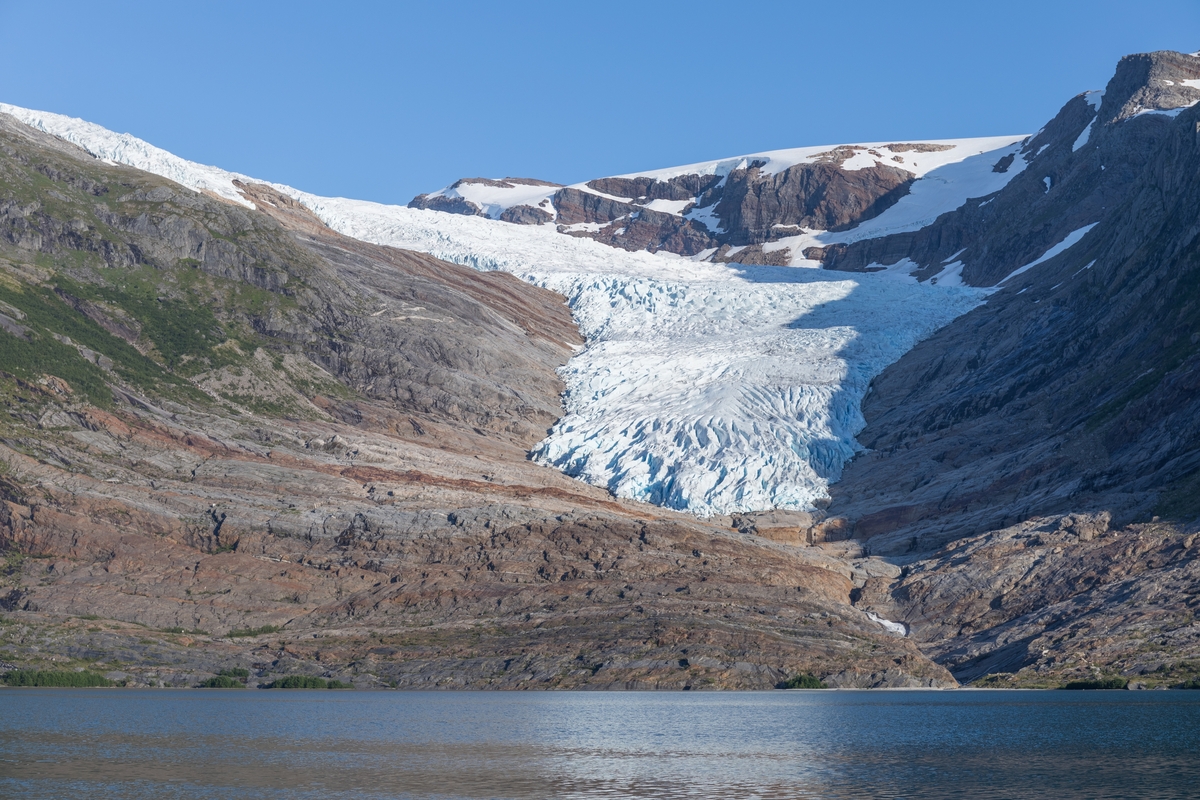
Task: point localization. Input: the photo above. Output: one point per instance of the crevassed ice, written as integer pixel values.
(710, 388)
(707, 387)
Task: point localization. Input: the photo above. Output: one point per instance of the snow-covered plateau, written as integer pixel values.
(706, 387)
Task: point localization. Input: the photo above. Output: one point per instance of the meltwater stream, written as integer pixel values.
(243, 744)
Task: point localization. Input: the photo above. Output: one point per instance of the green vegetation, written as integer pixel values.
(55, 678)
(192, 632)
(1194, 683)
(1113, 682)
(803, 681)
(177, 329)
(12, 564)
(240, 632)
(231, 678)
(38, 352)
(1026, 679)
(221, 682)
(306, 682)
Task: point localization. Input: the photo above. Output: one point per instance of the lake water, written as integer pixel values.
(67, 743)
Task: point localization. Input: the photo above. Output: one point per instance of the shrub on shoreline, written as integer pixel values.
(221, 682)
(306, 682)
(803, 681)
(56, 678)
(239, 632)
(1099, 683)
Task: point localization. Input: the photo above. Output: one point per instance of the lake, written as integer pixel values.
(123, 743)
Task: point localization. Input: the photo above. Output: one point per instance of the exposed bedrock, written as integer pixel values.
(629, 226)
(1075, 387)
(823, 196)
(1054, 599)
(749, 207)
(1081, 166)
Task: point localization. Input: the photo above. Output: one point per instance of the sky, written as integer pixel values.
(384, 100)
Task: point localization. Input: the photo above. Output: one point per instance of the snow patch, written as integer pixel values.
(1165, 112)
(494, 199)
(775, 161)
(124, 148)
(707, 217)
(950, 276)
(588, 227)
(675, 207)
(1070, 241)
(894, 627)
(1083, 137)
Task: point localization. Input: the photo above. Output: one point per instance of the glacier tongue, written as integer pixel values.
(712, 388)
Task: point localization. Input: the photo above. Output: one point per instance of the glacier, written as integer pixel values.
(708, 388)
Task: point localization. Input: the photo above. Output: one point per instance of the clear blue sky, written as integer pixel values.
(384, 100)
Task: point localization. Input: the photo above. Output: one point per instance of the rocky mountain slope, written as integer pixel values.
(235, 438)
(1072, 389)
(1035, 462)
(262, 408)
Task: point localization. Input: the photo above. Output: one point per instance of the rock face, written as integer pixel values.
(1033, 465)
(223, 421)
(1055, 599)
(709, 214)
(752, 206)
(1074, 388)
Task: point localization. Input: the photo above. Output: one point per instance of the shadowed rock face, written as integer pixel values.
(1074, 388)
(220, 419)
(1054, 599)
(1089, 177)
(1034, 465)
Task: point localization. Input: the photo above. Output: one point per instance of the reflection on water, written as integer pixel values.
(249, 744)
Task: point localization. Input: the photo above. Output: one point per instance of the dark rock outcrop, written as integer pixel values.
(751, 207)
(1074, 388)
(820, 195)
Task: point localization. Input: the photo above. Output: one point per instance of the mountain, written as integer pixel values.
(869, 411)
(765, 208)
(236, 438)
